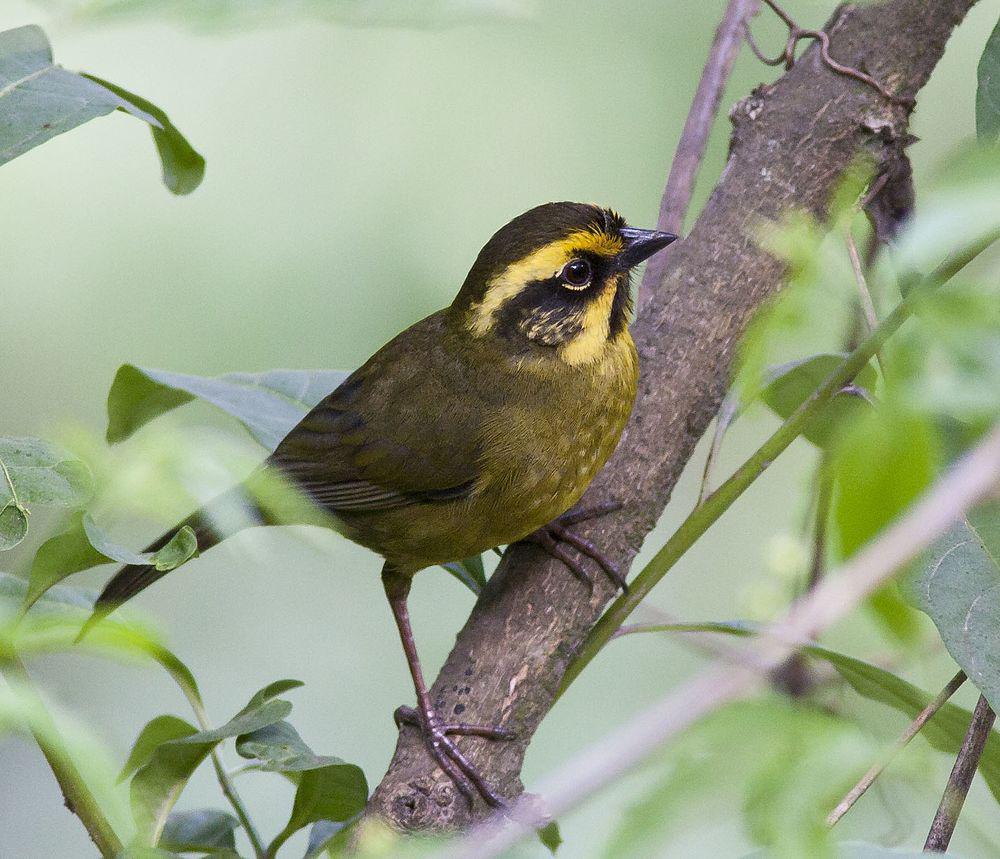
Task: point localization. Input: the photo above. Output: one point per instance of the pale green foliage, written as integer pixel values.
(798, 764)
(39, 100)
(988, 90)
(956, 585)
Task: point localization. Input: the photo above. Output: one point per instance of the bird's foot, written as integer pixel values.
(448, 756)
(554, 537)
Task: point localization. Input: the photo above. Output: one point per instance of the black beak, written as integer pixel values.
(641, 245)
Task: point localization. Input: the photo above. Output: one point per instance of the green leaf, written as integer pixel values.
(956, 584)
(272, 690)
(814, 310)
(791, 384)
(134, 851)
(41, 473)
(33, 471)
(60, 556)
(789, 764)
(13, 526)
(469, 572)
(550, 836)
(988, 89)
(336, 792)
(945, 732)
(83, 545)
(959, 210)
(204, 830)
(182, 547)
(157, 785)
(948, 365)
(887, 460)
(279, 748)
(268, 404)
(183, 167)
(39, 100)
(152, 736)
(324, 836)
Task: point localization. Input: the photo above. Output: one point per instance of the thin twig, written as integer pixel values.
(76, 794)
(961, 778)
(864, 293)
(914, 728)
(795, 677)
(226, 782)
(975, 478)
(824, 497)
(701, 115)
(728, 412)
(704, 107)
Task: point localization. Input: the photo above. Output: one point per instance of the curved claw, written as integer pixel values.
(449, 757)
(552, 537)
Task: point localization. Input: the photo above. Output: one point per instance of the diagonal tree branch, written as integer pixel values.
(974, 479)
(792, 142)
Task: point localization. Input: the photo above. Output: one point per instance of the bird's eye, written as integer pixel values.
(576, 273)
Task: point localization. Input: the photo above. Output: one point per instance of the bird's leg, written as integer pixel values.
(551, 538)
(435, 731)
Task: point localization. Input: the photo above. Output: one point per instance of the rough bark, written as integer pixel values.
(791, 143)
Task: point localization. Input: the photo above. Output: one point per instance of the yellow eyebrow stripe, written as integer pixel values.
(539, 265)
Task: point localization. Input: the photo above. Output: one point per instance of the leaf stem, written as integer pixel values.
(697, 127)
(914, 728)
(13, 491)
(225, 780)
(943, 826)
(703, 517)
(278, 842)
(76, 794)
(864, 293)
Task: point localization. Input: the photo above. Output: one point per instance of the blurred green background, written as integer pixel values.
(353, 174)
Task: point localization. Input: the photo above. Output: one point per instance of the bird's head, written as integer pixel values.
(556, 280)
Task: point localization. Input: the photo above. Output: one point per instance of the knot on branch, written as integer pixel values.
(421, 804)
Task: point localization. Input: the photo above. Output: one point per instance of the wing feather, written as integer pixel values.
(371, 445)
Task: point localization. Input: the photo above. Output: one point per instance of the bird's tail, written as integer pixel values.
(231, 512)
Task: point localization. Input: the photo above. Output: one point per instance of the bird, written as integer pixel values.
(476, 427)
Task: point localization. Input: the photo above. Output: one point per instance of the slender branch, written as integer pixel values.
(703, 517)
(728, 412)
(864, 293)
(701, 116)
(225, 780)
(76, 794)
(961, 777)
(914, 728)
(694, 137)
(974, 478)
(795, 677)
(278, 842)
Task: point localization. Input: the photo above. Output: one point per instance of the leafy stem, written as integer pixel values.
(226, 782)
(76, 793)
(279, 840)
(914, 288)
